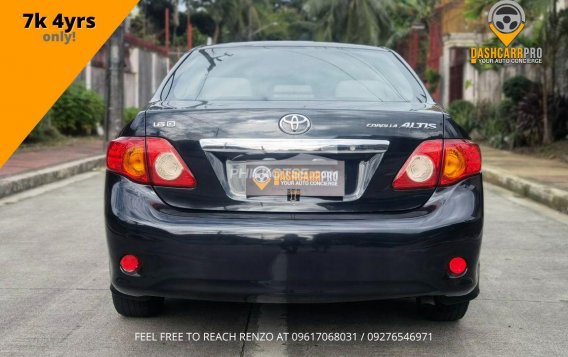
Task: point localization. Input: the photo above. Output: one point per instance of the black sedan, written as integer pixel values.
(293, 172)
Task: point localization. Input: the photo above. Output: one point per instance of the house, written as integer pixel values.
(145, 66)
(450, 38)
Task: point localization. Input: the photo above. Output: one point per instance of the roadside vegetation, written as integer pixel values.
(528, 113)
(79, 112)
(371, 22)
(520, 118)
(516, 120)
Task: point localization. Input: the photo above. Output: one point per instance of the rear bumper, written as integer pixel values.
(293, 257)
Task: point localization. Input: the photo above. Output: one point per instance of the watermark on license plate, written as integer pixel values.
(312, 179)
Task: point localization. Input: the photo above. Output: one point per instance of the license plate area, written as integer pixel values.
(305, 178)
(229, 157)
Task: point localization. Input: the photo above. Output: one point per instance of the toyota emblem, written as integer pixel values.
(294, 124)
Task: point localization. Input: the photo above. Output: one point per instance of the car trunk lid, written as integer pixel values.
(345, 162)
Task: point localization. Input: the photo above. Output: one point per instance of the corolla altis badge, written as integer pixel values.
(407, 125)
(294, 124)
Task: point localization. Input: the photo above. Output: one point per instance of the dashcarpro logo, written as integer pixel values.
(261, 176)
(506, 19)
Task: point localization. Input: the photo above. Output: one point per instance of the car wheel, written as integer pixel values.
(132, 306)
(444, 312)
(452, 312)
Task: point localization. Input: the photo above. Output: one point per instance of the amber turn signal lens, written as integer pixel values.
(133, 162)
(462, 159)
(127, 157)
(454, 163)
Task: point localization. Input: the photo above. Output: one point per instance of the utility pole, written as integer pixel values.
(114, 96)
(189, 27)
(167, 30)
(250, 21)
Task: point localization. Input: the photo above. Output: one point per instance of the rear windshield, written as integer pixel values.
(292, 74)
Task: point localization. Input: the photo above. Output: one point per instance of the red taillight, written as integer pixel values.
(150, 160)
(166, 166)
(457, 266)
(422, 168)
(427, 167)
(130, 263)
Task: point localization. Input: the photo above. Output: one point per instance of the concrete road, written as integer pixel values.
(54, 297)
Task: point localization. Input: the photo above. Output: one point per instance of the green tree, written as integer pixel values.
(78, 111)
(282, 21)
(230, 20)
(408, 15)
(150, 23)
(355, 21)
(548, 31)
(222, 13)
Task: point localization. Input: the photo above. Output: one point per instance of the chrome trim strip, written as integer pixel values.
(296, 146)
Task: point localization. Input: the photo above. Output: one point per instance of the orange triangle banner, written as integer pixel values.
(45, 45)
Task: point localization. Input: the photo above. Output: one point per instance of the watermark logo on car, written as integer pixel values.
(506, 20)
(261, 176)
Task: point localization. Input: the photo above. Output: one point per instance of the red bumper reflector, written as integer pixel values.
(457, 266)
(130, 263)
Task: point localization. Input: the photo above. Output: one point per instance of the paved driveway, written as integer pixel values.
(54, 297)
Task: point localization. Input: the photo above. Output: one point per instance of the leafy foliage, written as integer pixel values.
(130, 114)
(373, 22)
(559, 105)
(475, 9)
(282, 23)
(432, 78)
(529, 126)
(78, 111)
(406, 15)
(44, 131)
(517, 87)
(355, 21)
(463, 113)
(497, 122)
(509, 124)
(548, 30)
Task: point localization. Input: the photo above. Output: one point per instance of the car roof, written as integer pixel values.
(292, 44)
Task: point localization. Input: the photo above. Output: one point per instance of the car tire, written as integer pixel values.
(436, 311)
(132, 306)
(453, 312)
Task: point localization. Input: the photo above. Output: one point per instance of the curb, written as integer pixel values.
(549, 196)
(21, 182)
